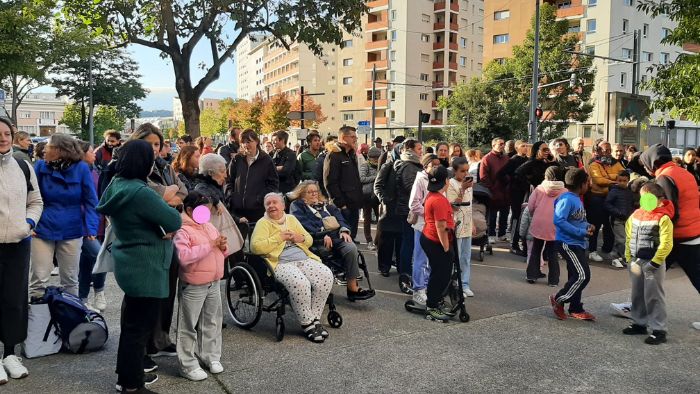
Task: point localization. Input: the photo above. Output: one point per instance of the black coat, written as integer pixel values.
(229, 151)
(341, 177)
(247, 186)
(533, 170)
(518, 187)
(289, 176)
(207, 186)
(406, 171)
(619, 202)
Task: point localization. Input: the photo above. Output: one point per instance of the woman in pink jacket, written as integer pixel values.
(541, 207)
(201, 251)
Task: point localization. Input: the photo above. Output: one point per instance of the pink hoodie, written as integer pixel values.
(200, 263)
(541, 207)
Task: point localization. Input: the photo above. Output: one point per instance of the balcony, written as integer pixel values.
(379, 103)
(381, 64)
(438, 65)
(436, 121)
(575, 11)
(439, 26)
(454, 7)
(381, 121)
(434, 104)
(438, 84)
(439, 6)
(374, 45)
(381, 84)
(453, 66)
(453, 46)
(437, 46)
(378, 25)
(377, 3)
(454, 26)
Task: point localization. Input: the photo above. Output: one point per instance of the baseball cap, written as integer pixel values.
(437, 179)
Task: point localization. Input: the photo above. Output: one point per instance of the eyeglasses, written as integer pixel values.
(312, 192)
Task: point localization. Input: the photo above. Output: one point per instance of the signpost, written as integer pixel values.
(296, 115)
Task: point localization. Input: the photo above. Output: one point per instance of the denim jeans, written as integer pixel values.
(464, 248)
(421, 269)
(88, 256)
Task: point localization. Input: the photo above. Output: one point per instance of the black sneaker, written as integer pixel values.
(635, 329)
(657, 337)
(148, 379)
(168, 351)
(384, 273)
(149, 365)
(405, 284)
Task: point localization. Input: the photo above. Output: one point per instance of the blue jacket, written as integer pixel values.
(69, 202)
(312, 223)
(570, 220)
(620, 202)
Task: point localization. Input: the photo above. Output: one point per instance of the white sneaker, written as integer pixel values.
(88, 305)
(100, 300)
(54, 271)
(196, 375)
(622, 310)
(617, 263)
(371, 246)
(595, 257)
(14, 367)
(216, 367)
(420, 297)
(492, 240)
(468, 293)
(696, 325)
(504, 238)
(3, 374)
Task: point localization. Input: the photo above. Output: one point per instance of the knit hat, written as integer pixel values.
(374, 153)
(437, 179)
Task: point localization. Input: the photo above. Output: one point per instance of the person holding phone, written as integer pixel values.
(459, 193)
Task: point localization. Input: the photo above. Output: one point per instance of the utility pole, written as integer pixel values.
(374, 107)
(302, 107)
(420, 126)
(468, 128)
(535, 76)
(635, 59)
(91, 125)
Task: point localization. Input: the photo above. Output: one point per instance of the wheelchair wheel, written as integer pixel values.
(244, 295)
(463, 316)
(279, 329)
(334, 319)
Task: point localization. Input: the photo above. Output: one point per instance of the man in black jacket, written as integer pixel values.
(318, 169)
(230, 150)
(341, 176)
(517, 189)
(285, 162)
(389, 225)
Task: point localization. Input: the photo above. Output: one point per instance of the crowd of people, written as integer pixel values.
(177, 218)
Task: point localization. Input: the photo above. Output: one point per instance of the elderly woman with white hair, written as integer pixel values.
(579, 147)
(284, 243)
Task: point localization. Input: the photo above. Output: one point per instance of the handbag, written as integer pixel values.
(227, 227)
(412, 218)
(105, 260)
(330, 223)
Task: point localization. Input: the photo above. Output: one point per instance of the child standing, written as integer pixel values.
(459, 193)
(620, 204)
(201, 251)
(649, 241)
(572, 232)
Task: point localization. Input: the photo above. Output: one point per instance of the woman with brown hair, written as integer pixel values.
(186, 164)
(456, 150)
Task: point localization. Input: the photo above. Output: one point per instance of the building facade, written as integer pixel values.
(249, 60)
(39, 114)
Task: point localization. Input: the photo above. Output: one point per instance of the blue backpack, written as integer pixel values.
(81, 329)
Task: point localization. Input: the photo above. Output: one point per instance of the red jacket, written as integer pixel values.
(687, 202)
(491, 165)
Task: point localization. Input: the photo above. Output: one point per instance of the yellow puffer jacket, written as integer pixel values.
(267, 242)
(603, 176)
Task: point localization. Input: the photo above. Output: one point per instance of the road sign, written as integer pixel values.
(364, 130)
(363, 123)
(296, 115)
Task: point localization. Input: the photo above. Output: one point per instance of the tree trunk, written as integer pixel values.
(83, 119)
(15, 100)
(188, 98)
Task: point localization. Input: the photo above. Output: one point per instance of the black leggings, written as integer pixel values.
(534, 259)
(440, 270)
(14, 287)
(688, 257)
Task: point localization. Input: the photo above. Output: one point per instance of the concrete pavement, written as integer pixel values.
(512, 344)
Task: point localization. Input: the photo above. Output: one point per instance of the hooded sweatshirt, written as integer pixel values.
(570, 222)
(200, 262)
(541, 207)
(680, 188)
(139, 218)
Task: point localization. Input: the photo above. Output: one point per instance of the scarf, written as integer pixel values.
(59, 165)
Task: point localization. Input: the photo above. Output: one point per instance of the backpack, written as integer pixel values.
(27, 175)
(390, 184)
(81, 329)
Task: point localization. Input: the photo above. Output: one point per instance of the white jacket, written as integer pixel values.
(463, 214)
(16, 205)
(416, 201)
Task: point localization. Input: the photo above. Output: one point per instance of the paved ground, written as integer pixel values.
(512, 344)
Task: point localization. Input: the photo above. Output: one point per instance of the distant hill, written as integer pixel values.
(160, 113)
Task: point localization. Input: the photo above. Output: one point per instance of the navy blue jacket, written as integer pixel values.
(69, 202)
(312, 223)
(620, 202)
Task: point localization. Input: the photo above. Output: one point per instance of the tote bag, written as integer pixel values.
(105, 261)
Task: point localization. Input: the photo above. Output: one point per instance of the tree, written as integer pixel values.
(309, 106)
(246, 115)
(174, 28)
(274, 114)
(676, 85)
(106, 118)
(212, 123)
(71, 117)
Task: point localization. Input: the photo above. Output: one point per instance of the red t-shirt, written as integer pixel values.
(437, 208)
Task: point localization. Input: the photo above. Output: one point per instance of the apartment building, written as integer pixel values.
(249, 66)
(606, 28)
(205, 103)
(40, 114)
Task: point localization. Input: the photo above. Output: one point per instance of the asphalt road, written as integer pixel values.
(512, 344)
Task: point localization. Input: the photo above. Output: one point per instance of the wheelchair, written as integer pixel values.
(251, 289)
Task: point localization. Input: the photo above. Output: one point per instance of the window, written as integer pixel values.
(25, 114)
(392, 115)
(394, 35)
(463, 42)
(665, 32)
(626, 53)
(623, 79)
(625, 25)
(346, 44)
(347, 81)
(462, 61)
(347, 62)
(590, 50)
(629, 3)
(564, 4)
(347, 99)
(424, 57)
(424, 77)
(347, 117)
(425, 18)
(392, 56)
(392, 95)
(424, 96)
(665, 58)
(645, 30)
(500, 15)
(393, 15)
(648, 56)
(46, 115)
(644, 78)
(425, 38)
(592, 3)
(500, 38)
(590, 26)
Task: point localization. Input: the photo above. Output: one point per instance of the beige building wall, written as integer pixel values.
(40, 114)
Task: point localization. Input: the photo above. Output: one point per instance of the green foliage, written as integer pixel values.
(246, 115)
(497, 104)
(72, 117)
(105, 118)
(676, 85)
(274, 114)
(211, 122)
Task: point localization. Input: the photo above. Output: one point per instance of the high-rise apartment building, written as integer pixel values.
(249, 57)
(606, 28)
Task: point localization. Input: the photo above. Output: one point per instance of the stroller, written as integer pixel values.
(480, 214)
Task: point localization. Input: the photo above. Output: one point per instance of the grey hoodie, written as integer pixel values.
(16, 205)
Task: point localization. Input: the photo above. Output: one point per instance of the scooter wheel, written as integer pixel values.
(408, 305)
(334, 319)
(463, 316)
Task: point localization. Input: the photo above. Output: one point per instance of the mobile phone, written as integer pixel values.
(468, 179)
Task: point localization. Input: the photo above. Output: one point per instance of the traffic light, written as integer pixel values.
(538, 112)
(670, 124)
(424, 118)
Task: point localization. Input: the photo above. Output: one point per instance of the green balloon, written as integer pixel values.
(648, 202)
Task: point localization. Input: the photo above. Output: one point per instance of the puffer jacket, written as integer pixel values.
(650, 234)
(541, 207)
(603, 176)
(368, 174)
(619, 202)
(341, 177)
(406, 170)
(200, 262)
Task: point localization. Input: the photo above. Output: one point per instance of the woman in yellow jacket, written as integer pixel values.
(283, 242)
